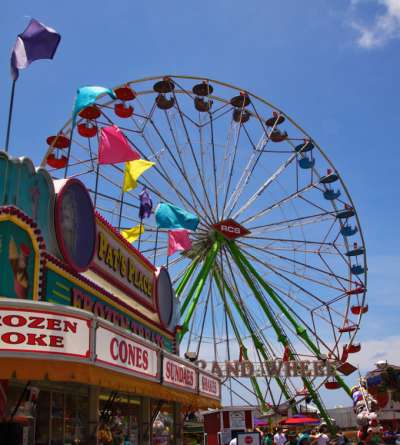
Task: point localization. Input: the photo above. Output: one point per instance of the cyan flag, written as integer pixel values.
(169, 216)
(87, 96)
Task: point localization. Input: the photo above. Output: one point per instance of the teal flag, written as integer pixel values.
(169, 216)
(87, 96)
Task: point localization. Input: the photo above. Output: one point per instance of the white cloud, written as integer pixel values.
(385, 26)
(373, 350)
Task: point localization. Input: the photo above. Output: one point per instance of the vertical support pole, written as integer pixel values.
(155, 248)
(94, 408)
(178, 424)
(145, 429)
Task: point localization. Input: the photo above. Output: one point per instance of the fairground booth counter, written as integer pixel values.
(88, 326)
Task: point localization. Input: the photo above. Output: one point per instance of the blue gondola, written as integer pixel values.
(356, 269)
(345, 213)
(348, 230)
(306, 146)
(329, 178)
(306, 163)
(331, 194)
(355, 252)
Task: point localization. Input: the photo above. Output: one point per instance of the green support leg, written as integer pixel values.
(197, 287)
(244, 265)
(256, 341)
(300, 330)
(187, 276)
(253, 380)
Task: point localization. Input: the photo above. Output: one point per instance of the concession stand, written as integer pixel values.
(89, 350)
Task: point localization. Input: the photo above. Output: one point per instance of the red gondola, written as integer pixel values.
(278, 136)
(121, 110)
(125, 93)
(353, 348)
(356, 290)
(58, 141)
(348, 328)
(346, 368)
(87, 131)
(332, 384)
(92, 112)
(356, 310)
(345, 354)
(54, 162)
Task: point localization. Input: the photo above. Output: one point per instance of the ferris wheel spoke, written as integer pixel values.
(193, 155)
(300, 263)
(182, 167)
(321, 302)
(283, 201)
(244, 179)
(231, 167)
(293, 222)
(264, 186)
(181, 170)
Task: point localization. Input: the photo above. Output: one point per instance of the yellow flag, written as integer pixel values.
(133, 234)
(133, 169)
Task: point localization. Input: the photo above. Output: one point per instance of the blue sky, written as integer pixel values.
(333, 66)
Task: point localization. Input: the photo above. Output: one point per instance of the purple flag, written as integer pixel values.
(36, 42)
(146, 205)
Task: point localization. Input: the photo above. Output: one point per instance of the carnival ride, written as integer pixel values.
(277, 267)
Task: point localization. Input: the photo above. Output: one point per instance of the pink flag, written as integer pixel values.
(178, 240)
(114, 147)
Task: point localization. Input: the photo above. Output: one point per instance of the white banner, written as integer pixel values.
(178, 374)
(44, 332)
(209, 386)
(122, 352)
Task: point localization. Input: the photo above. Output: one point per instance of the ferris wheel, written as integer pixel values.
(277, 265)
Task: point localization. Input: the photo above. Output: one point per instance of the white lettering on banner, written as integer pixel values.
(122, 352)
(178, 374)
(44, 332)
(209, 385)
(230, 229)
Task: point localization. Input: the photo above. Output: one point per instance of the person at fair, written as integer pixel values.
(279, 438)
(322, 438)
(233, 441)
(268, 439)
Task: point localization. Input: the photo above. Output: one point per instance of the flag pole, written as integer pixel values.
(120, 210)
(140, 233)
(155, 249)
(10, 111)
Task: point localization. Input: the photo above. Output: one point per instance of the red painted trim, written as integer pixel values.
(248, 419)
(225, 419)
(57, 222)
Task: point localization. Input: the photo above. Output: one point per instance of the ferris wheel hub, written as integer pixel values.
(230, 229)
